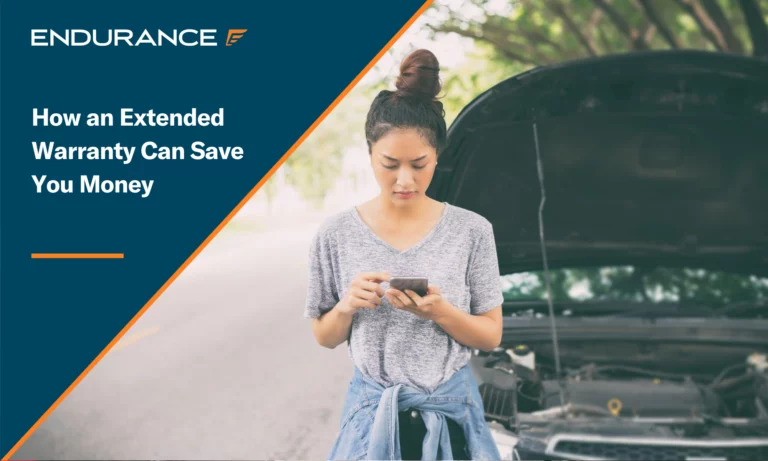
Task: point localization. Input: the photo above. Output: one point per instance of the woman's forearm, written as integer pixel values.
(475, 331)
(332, 328)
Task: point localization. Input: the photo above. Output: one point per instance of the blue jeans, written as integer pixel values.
(369, 421)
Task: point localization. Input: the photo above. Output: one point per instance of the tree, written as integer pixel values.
(541, 32)
(637, 284)
(270, 190)
(316, 165)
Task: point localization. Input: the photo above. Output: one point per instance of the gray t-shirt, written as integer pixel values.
(394, 346)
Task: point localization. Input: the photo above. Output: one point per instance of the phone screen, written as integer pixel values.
(416, 284)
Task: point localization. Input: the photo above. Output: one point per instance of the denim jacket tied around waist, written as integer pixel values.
(369, 423)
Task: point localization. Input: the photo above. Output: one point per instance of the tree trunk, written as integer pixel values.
(561, 10)
(654, 17)
(635, 37)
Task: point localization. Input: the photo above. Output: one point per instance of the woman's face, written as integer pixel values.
(403, 163)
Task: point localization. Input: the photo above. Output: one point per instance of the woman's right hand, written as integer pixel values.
(364, 292)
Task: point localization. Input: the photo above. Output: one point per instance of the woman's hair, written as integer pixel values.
(412, 105)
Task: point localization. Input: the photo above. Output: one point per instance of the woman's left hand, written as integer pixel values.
(429, 307)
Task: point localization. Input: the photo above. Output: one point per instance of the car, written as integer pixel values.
(629, 201)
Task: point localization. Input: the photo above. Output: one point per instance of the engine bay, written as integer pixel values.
(520, 389)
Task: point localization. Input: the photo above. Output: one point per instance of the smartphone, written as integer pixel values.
(416, 284)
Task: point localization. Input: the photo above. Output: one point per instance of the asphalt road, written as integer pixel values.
(222, 366)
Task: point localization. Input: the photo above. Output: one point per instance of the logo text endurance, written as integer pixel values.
(124, 37)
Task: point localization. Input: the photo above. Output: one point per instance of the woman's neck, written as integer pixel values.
(416, 209)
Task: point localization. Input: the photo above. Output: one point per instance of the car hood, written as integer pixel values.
(647, 157)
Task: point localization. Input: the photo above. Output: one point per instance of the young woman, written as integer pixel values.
(410, 352)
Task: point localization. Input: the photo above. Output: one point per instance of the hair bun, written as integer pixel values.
(419, 76)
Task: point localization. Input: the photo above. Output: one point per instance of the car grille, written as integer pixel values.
(659, 449)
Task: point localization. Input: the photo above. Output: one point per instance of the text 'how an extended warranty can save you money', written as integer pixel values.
(148, 150)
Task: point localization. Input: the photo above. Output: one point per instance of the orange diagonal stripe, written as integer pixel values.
(78, 255)
(220, 226)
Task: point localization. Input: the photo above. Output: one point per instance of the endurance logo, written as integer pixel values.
(234, 35)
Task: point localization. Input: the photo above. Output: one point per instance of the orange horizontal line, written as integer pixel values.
(78, 255)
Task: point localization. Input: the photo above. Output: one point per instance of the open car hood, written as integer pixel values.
(647, 157)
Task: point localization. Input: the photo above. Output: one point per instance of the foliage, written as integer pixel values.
(316, 164)
(628, 283)
(541, 32)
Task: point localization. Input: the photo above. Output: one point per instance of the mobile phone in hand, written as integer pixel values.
(416, 284)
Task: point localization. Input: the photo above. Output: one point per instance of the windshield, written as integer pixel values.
(657, 285)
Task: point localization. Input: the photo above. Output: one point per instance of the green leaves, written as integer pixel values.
(545, 31)
(628, 283)
(317, 164)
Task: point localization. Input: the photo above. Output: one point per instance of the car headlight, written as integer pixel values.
(505, 442)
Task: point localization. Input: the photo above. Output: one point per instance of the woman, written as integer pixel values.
(410, 352)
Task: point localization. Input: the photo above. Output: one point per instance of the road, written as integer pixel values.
(222, 366)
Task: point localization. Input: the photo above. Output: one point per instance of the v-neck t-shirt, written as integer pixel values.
(393, 346)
